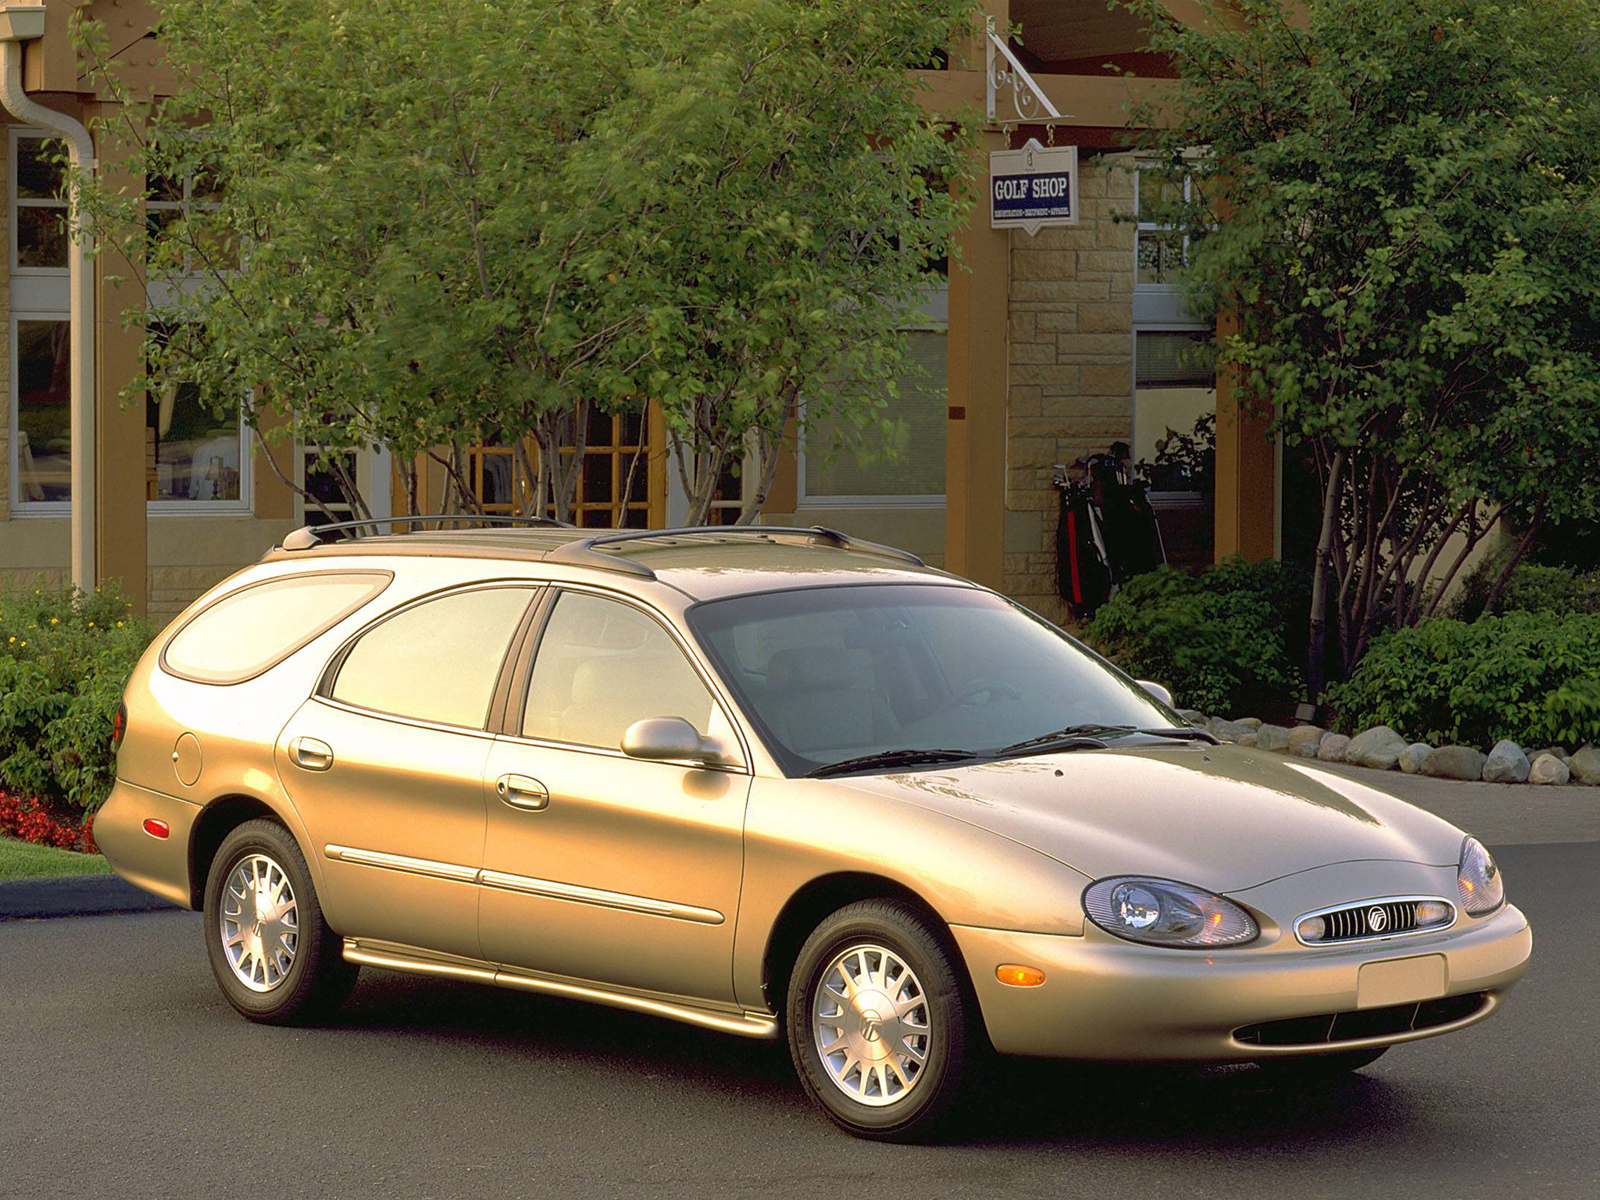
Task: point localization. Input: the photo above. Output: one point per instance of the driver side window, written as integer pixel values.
(601, 665)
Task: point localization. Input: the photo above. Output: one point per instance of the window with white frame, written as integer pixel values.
(39, 409)
(1174, 410)
(172, 200)
(906, 469)
(41, 415)
(197, 459)
(1160, 250)
(38, 203)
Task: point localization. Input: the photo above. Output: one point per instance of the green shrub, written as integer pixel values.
(1229, 641)
(65, 657)
(1530, 677)
(1533, 588)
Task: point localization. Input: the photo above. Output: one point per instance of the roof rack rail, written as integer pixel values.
(586, 551)
(308, 536)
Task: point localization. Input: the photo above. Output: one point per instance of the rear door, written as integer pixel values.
(386, 767)
(598, 866)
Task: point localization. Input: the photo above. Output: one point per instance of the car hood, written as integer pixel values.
(1220, 817)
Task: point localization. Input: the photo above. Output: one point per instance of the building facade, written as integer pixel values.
(1039, 349)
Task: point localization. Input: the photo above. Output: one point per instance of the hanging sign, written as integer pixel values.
(1033, 187)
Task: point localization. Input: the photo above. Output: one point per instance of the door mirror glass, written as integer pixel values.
(1156, 690)
(672, 738)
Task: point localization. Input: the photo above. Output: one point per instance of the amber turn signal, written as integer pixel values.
(1019, 976)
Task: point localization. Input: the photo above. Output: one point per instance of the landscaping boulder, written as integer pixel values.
(1378, 748)
(1547, 768)
(1585, 766)
(1333, 748)
(1247, 738)
(1454, 762)
(1253, 722)
(1272, 737)
(1227, 731)
(1557, 751)
(1194, 716)
(1304, 740)
(1413, 756)
(1506, 763)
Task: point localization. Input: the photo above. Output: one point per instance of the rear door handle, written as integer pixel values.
(522, 791)
(311, 754)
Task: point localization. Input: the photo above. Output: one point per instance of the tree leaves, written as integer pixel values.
(1407, 227)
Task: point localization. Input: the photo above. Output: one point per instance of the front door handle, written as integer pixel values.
(522, 791)
(311, 754)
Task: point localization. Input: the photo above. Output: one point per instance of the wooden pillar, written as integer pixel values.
(121, 471)
(975, 448)
(1247, 483)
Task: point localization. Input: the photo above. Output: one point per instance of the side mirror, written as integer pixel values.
(1159, 692)
(674, 738)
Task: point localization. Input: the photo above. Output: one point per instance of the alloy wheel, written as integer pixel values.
(259, 922)
(870, 1025)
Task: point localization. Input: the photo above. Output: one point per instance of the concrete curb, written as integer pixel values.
(74, 896)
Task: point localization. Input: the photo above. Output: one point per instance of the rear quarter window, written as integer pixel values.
(253, 629)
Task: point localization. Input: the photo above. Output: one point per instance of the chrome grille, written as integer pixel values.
(1371, 919)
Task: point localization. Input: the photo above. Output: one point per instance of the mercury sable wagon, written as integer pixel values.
(777, 783)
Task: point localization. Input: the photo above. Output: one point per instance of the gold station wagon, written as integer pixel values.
(779, 783)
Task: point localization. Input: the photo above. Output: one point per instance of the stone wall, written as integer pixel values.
(1071, 366)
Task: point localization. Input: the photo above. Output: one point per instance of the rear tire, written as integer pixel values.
(1314, 1068)
(880, 1027)
(274, 956)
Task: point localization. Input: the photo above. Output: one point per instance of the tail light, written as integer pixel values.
(119, 726)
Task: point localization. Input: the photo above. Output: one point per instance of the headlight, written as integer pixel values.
(1164, 913)
(1478, 880)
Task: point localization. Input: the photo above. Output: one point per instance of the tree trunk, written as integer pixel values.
(1317, 642)
(1511, 564)
(767, 454)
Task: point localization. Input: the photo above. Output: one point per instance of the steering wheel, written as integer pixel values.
(993, 688)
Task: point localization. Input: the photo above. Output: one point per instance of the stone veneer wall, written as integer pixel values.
(1071, 366)
(172, 589)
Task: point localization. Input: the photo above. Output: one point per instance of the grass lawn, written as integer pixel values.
(24, 860)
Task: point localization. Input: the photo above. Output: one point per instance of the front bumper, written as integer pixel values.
(1108, 999)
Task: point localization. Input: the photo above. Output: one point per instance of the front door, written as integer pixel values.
(386, 766)
(598, 866)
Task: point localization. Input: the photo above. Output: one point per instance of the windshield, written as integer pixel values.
(834, 673)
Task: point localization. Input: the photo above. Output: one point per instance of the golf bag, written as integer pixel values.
(1107, 533)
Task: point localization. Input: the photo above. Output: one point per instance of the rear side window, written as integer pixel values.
(256, 627)
(435, 661)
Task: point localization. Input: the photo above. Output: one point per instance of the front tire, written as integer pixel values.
(274, 956)
(880, 1029)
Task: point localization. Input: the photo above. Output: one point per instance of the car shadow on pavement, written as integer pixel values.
(1153, 1109)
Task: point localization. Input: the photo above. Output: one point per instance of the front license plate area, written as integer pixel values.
(1401, 981)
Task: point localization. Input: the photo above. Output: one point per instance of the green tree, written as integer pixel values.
(383, 236)
(421, 224)
(1399, 201)
(790, 197)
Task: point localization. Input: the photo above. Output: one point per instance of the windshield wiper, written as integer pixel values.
(1184, 733)
(891, 758)
(1073, 737)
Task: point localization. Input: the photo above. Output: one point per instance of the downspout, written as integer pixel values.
(19, 24)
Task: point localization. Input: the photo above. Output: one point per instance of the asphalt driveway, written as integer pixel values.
(123, 1073)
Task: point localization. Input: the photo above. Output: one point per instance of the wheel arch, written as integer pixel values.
(814, 901)
(216, 821)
